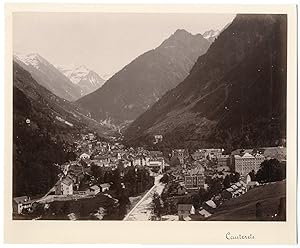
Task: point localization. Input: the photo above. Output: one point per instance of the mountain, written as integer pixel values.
(45, 128)
(107, 76)
(234, 96)
(69, 111)
(211, 35)
(48, 76)
(87, 80)
(138, 85)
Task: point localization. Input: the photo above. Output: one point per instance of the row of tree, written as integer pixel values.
(270, 170)
(125, 182)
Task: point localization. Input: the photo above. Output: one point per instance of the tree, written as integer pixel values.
(270, 171)
(235, 177)
(97, 172)
(157, 208)
(130, 180)
(123, 201)
(108, 176)
(201, 196)
(116, 180)
(215, 186)
(174, 161)
(226, 182)
(165, 178)
(94, 169)
(83, 163)
(196, 200)
(252, 175)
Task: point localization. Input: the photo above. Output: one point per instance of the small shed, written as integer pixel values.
(95, 189)
(20, 203)
(104, 187)
(204, 213)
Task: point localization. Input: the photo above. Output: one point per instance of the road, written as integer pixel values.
(142, 210)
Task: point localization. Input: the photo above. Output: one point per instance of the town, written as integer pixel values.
(109, 181)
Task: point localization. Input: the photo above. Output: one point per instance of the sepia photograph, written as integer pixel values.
(135, 116)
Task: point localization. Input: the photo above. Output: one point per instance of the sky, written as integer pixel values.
(103, 42)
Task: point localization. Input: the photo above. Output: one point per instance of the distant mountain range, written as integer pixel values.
(48, 76)
(87, 80)
(234, 96)
(68, 82)
(134, 89)
(51, 105)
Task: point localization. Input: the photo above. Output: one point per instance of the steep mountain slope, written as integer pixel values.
(87, 80)
(142, 82)
(243, 208)
(234, 96)
(55, 106)
(48, 76)
(45, 127)
(211, 35)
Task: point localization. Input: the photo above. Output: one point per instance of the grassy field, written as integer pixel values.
(243, 208)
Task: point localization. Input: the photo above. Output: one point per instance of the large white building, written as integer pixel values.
(244, 163)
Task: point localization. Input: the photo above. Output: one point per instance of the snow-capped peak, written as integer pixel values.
(73, 72)
(33, 59)
(85, 78)
(211, 34)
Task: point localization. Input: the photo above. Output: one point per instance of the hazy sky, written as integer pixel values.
(104, 42)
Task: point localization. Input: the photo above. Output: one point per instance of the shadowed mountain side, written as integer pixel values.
(234, 95)
(45, 128)
(138, 85)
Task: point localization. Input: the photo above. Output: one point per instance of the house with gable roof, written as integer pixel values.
(64, 186)
(20, 203)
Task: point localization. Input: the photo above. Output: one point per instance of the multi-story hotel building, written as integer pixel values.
(246, 162)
